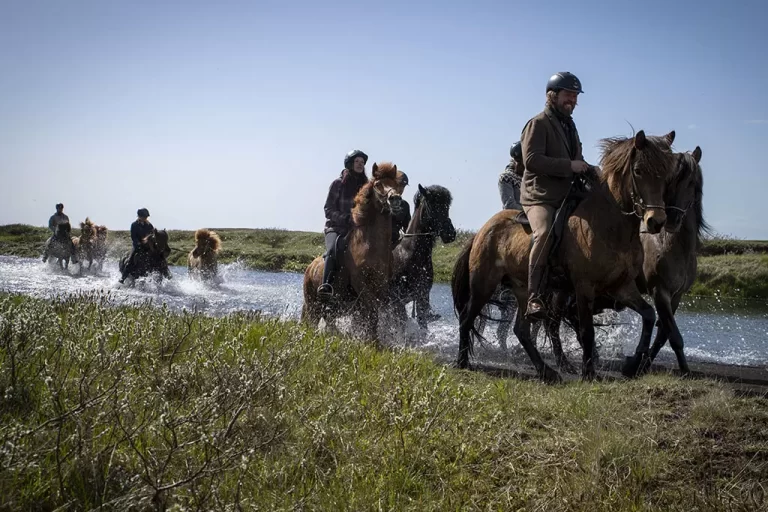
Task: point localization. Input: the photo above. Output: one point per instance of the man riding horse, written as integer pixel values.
(552, 155)
(58, 218)
(140, 229)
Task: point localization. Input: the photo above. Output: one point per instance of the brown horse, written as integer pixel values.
(600, 253)
(669, 266)
(670, 261)
(203, 260)
(362, 283)
(100, 249)
(85, 244)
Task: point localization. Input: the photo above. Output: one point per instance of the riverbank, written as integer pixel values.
(138, 407)
(730, 268)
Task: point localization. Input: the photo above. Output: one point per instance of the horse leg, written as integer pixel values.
(586, 334)
(668, 330)
(641, 361)
(422, 308)
(522, 330)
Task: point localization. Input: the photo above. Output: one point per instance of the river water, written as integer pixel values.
(714, 330)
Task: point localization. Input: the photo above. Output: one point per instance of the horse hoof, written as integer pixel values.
(635, 366)
(567, 367)
(551, 376)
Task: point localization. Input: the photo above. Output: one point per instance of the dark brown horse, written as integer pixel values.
(85, 244)
(413, 273)
(362, 283)
(60, 246)
(669, 266)
(670, 262)
(600, 253)
(203, 260)
(151, 256)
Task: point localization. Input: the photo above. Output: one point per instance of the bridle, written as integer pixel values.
(634, 194)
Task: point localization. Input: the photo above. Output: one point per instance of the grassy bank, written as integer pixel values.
(733, 268)
(137, 408)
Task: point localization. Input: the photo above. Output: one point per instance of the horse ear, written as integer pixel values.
(394, 169)
(670, 137)
(375, 170)
(640, 140)
(422, 190)
(697, 154)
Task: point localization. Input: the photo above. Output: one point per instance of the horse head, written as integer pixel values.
(388, 184)
(636, 171)
(206, 242)
(87, 230)
(63, 230)
(101, 233)
(435, 202)
(685, 190)
(156, 243)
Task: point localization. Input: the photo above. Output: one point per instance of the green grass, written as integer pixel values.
(132, 408)
(727, 267)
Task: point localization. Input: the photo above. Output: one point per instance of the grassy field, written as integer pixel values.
(138, 408)
(732, 268)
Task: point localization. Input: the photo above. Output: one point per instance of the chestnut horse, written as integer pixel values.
(85, 244)
(203, 260)
(600, 253)
(100, 249)
(362, 281)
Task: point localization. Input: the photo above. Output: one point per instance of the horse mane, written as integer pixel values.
(101, 229)
(88, 223)
(361, 206)
(616, 152)
(703, 228)
(440, 194)
(204, 235)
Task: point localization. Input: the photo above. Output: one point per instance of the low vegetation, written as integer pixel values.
(135, 408)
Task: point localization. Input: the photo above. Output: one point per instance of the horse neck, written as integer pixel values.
(612, 210)
(375, 228)
(420, 243)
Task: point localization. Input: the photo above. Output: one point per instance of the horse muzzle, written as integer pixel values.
(448, 234)
(395, 203)
(654, 220)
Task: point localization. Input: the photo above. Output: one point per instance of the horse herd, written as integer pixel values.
(151, 255)
(635, 231)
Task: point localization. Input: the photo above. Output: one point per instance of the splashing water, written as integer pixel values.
(712, 331)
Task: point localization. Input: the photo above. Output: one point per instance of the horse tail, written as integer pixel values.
(460, 278)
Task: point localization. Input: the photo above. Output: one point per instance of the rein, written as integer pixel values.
(426, 210)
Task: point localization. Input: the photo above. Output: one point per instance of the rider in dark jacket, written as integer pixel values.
(338, 213)
(56, 219)
(140, 229)
(511, 179)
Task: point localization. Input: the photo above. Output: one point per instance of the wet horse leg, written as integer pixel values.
(522, 330)
(479, 294)
(639, 363)
(668, 328)
(586, 333)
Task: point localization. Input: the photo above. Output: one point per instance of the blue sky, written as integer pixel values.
(238, 114)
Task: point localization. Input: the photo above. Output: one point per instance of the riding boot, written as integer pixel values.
(536, 309)
(325, 290)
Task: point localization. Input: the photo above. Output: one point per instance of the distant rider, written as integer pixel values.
(140, 229)
(56, 219)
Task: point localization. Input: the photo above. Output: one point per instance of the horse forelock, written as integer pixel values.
(385, 170)
(205, 236)
(617, 152)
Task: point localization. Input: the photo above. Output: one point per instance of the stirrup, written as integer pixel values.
(535, 309)
(325, 290)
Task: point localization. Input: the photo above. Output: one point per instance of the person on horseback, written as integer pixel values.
(552, 156)
(56, 219)
(338, 214)
(140, 229)
(510, 180)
